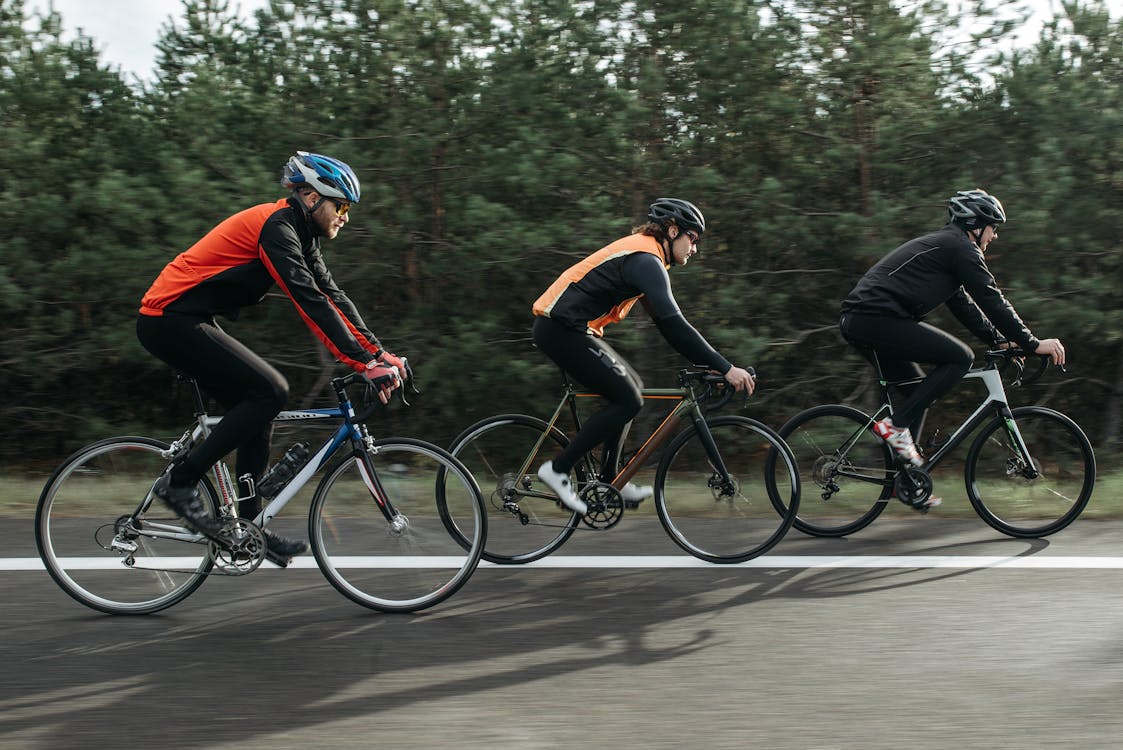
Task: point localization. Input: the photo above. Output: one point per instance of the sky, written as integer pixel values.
(125, 31)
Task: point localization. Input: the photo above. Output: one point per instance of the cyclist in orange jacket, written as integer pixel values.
(233, 266)
(569, 327)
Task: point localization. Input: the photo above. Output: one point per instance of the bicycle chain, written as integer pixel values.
(238, 558)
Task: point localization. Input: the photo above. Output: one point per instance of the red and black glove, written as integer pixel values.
(393, 360)
(383, 376)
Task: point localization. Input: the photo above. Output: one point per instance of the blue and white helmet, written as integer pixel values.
(329, 177)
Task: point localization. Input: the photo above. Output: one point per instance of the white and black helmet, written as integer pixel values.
(682, 213)
(975, 208)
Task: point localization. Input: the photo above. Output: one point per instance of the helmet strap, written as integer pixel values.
(309, 211)
(665, 243)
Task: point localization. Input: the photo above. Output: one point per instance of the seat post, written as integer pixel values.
(196, 393)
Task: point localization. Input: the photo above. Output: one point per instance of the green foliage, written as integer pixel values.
(498, 142)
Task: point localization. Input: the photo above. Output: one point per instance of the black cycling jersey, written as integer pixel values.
(942, 267)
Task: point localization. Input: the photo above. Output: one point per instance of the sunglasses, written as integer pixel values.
(694, 236)
(341, 207)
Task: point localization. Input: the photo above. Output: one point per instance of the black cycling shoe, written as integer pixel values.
(186, 503)
(280, 549)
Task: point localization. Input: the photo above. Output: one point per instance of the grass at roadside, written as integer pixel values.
(20, 495)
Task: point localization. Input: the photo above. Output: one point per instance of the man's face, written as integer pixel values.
(684, 246)
(331, 216)
(989, 233)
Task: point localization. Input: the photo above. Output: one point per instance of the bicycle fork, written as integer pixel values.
(398, 522)
(1021, 463)
(721, 483)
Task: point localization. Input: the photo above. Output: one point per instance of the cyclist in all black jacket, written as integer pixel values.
(232, 267)
(883, 312)
(569, 322)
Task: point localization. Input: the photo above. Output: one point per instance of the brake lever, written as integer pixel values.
(408, 381)
(718, 382)
(1020, 366)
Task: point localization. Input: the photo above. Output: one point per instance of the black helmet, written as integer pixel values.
(683, 213)
(975, 208)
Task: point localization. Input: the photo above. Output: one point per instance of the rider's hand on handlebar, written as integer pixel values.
(1053, 349)
(740, 379)
(384, 377)
(393, 360)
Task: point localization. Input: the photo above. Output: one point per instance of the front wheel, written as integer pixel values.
(846, 471)
(410, 561)
(1035, 495)
(730, 516)
(107, 542)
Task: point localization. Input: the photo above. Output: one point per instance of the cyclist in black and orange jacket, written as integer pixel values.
(232, 267)
(569, 327)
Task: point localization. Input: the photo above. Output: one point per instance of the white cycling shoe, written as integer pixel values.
(636, 493)
(561, 485)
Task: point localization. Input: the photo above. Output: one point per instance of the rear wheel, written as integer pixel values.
(846, 471)
(107, 542)
(526, 521)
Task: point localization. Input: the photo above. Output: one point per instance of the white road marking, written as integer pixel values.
(637, 561)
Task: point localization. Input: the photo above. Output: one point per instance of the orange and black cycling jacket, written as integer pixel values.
(238, 261)
(603, 288)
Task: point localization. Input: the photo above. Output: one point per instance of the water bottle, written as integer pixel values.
(279, 475)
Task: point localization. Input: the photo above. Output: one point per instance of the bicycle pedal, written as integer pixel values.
(632, 504)
(280, 562)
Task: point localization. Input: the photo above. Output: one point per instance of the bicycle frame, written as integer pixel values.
(360, 439)
(995, 403)
(688, 405)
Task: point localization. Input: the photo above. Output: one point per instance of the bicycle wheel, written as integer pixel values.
(414, 562)
(999, 478)
(844, 468)
(89, 505)
(727, 524)
(525, 519)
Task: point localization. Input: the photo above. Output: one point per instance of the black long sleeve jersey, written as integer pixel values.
(944, 267)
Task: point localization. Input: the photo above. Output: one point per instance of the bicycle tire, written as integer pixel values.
(1010, 502)
(837, 505)
(397, 570)
(80, 504)
(494, 449)
(728, 527)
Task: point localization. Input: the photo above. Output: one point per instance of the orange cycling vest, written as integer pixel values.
(571, 291)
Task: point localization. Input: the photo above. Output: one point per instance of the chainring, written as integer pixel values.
(606, 506)
(913, 488)
(242, 549)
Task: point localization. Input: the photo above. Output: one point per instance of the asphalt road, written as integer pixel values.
(712, 657)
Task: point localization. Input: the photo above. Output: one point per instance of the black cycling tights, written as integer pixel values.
(900, 345)
(595, 365)
(250, 390)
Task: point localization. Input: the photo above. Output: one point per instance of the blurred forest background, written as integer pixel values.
(499, 141)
